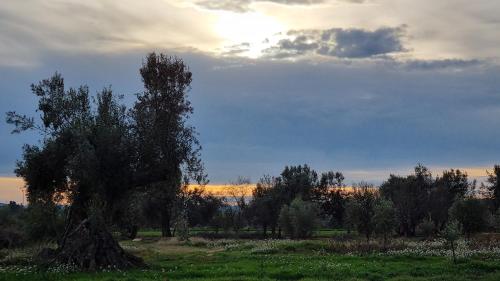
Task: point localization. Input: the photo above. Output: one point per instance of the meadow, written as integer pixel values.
(319, 258)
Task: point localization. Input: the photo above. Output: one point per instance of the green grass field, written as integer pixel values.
(202, 259)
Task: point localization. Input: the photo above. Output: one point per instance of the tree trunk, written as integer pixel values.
(453, 252)
(90, 246)
(165, 224)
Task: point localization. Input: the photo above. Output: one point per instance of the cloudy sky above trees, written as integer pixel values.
(366, 87)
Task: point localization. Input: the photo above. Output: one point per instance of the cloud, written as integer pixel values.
(256, 116)
(236, 49)
(96, 26)
(241, 6)
(441, 64)
(340, 43)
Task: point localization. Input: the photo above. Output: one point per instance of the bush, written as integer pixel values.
(11, 226)
(182, 227)
(384, 218)
(451, 234)
(426, 228)
(298, 220)
(43, 222)
(472, 215)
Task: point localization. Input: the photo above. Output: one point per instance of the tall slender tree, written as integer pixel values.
(168, 148)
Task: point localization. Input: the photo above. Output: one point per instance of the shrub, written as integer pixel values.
(384, 218)
(43, 222)
(182, 227)
(472, 215)
(451, 234)
(299, 219)
(426, 228)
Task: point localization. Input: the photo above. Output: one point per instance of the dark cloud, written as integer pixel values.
(300, 45)
(441, 64)
(341, 43)
(241, 6)
(236, 49)
(255, 116)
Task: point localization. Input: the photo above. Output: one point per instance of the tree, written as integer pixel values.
(451, 186)
(266, 204)
(451, 234)
(238, 192)
(299, 219)
(494, 186)
(84, 158)
(200, 206)
(472, 214)
(331, 197)
(298, 181)
(168, 150)
(410, 196)
(384, 218)
(94, 156)
(360, 210)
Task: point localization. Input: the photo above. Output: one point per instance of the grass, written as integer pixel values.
(321, 233)
(269, 260)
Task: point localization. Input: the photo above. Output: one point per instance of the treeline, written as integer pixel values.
(293, 205)
(300, 199)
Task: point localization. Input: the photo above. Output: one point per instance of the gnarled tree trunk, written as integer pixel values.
(88, 245)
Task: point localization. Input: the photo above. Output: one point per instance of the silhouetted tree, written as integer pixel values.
(298, 181)
(451, 186)
(494, 186)
(410, 196)
(266, 204)
(84, 157)
(360, 210)
(168, 150)
(331, 197)
(94, 156)
(384, 217)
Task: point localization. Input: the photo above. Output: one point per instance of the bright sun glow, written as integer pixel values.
(254, 28)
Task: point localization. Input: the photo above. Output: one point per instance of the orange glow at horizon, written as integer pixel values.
(11, 188)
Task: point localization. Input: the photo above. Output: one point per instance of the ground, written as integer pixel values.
(317, 259)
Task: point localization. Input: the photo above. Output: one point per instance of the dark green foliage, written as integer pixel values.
(360, 211)
(298, 220)
(266, 204)
(452, 234)
(298, 181)
(272, 193)
(409, 195)
(426, 228)
(472, 214)
(44, 222)
(451, 186)
(494, 187)
(11, 225)
(167, 148)
(331, 197)
(201, 207)
(95, 156)
(384, 218)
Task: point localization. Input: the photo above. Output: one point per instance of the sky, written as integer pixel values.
(368, 88)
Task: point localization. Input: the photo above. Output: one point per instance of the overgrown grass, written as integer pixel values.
(318, 259)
